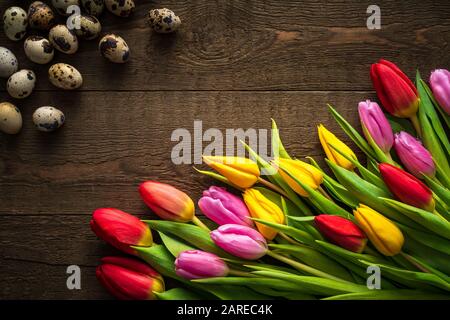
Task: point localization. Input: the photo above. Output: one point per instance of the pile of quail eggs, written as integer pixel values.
(48, 35)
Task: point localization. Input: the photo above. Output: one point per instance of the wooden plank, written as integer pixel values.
(111, 142)
(262, 45)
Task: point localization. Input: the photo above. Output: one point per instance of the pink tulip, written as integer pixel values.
(413, 155)
(440, 84)
(196, 264)
(223, 207)
(240, 241)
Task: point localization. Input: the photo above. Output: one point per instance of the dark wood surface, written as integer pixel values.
(233, 64)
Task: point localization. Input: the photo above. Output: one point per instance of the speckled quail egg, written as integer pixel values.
(63, 39)
(65, 76)
(62, 5)
(93, 7)
(40, 16)
(15, 22)
(38, 49)
(8, 63)
(90, 27)
(10, 118)
(121, 8)
(163, 20)
(21, 84)
(48, 118)
(114, 48)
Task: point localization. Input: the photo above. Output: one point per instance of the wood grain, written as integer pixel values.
(262, 45)
(233, 64)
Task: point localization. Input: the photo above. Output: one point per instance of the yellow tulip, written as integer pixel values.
(303, 171)
(381, 231)
(241, 172)
(326, 137)
(262, 208)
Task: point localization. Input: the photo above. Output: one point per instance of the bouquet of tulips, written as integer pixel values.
(372, 229)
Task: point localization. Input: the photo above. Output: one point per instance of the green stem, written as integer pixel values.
(413, 262)
(288, 239)
(325, 194)
(240, 273)
(416, 124)
(273, 187)
(302, 267)
(200, 224)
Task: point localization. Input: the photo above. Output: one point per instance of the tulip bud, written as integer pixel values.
(413, 155)
(240, 241)
(167, 202)
(223, 207)
(341, 232)
(241, 172)
(303, 171)
(440, 84)
(196, 264)
(382, 232)
(375, 125)
(121, 229)
(262, 208)
(397, 93)
(406, 187)
(129, 279)
(326, 138)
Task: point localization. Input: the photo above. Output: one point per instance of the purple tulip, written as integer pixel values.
(413, 155)
(223, 207)
(376, 125)
(440, 84)
(241, 241)
(196, 264)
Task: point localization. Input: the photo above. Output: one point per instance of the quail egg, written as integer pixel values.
(163, 20)
(15, 22)
(121, 8)
(38, 49)
(8, 63)
(64, 76)
(93, 7)
(10, 118)
(114, 48)
(90, 27)
(21, 84)
(40, 16)
(62, 5)
(63, 39)
(48, 118)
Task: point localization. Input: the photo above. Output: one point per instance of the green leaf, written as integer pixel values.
(420, 277)
(369, 194)
(352, 133)
(174, 246)
(194, 235)
(314, 259)
(217, 177)
(425, 218)
(276, 141)
(178, 294)
(430, 256)
(302, 219)
(442, 192)
(315, 285)
(400, 124)
(297, 234)
(320, 201)
(399, 294)
(428, 239)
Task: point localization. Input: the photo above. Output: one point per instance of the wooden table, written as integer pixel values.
(233, 64)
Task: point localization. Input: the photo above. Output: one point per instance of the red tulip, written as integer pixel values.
(406, 187)
(167, 202)
(341, 232)
(121, 229)
(396, 92)
(129, 279)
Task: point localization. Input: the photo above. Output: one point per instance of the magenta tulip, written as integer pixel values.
(413, 155)
(240, 241)
(223, 207)
(375, 125)
(440, 84)
(196, 264)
